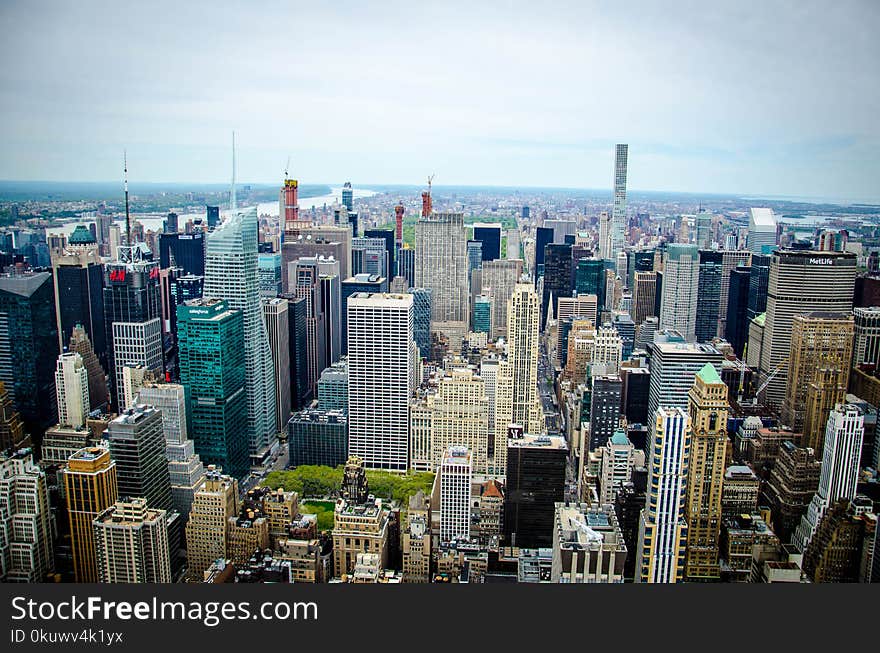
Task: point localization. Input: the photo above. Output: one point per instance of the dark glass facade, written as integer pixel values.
(490, 239)
(80, 301)
(187, 251)
(558, 275)
(736, 330)
(318, 437)
(759, 280)
(590, 279)
(708, 295)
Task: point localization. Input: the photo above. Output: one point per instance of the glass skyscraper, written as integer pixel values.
(212, 372)
(231, 273)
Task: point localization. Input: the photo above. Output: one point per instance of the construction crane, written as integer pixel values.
(769, 378)
(430, 180)
(592, 536)
(286, 166)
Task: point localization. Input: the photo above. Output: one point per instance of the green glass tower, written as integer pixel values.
(212, 372)
(590, 279)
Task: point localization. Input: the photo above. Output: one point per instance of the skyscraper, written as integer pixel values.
(730, 260)
(543, 237)
(736, 322)
(681, 274)
(489, 235)
(306, 284)
(840, 468)
(78, 276)
(498, 279)
(80, 344)
(707, 411)
(618, 231)
(818, 369)
(382, 375)
(26, 521)
(90, 488)
(867, 336)
(231, 274)
(131, 543)
(442, 268)
(72, 390)
(214, 503)
(674, 364)
(212, 371)
(455, 494)
(644, 289)
(800, 282)
(276, 316)
(422, 320)
(662, 525)
(29, 347)
(558, 276)
(762, 230)
(708, 295)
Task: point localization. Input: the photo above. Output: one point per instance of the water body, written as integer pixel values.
(153, 222)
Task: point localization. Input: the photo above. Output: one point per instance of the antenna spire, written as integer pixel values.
(127, 214)
(232, 202)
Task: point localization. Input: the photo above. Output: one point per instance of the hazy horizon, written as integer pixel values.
(729, 99)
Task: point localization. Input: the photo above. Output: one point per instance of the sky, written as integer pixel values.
(766, 98)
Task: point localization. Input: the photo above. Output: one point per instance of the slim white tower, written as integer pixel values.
(455, 494)
(72, 390)
(618, 219)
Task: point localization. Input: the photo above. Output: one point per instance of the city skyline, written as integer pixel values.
(720, 122)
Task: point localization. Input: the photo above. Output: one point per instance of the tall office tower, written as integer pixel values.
(288, 206)
(821, 354)
(708, 295)
(387, 238)
(517, 381)
(348, 196)
(382, 373)
(866, 347)
(90, 488)
(558, 277)
(298, 350)
(758, 283)
(460, 417)
(788, 491)
(211, 354)
(79, 343)
(269, 266)
(703, 237)
(422, 320)
(489, 235)
(840, 468)
(736, 322)
(498, 279)
(843, 545)
(333, 387)
(562, 229)
(331, 308)
(662, 525)
(604, 410)
(133, 313)
(72, 390)
(276, 315)
(327, 241)
(399, 210)
(674, 364)
(12, 433)
(475, 255)
(185, 251)
(619, 458)
(29, 347)
(306, 284)
(730, 260)
(212, 216)
(214, 503)
(137, 445)
(581, 306)
(368, 256)
(78, 276)
(606, 228)
(362, 282)
(407, 259)
(185, 468)
(800, 282)
(169, 224)
(131, 543)
(442, 268)
(762, 231)
(535, 483)
(456, 469)
(623, 324)
(644, 289)
(482, 318)
(681, 276)
(543, 237)
(590, 279)
(618, 220)
(416, 540)
(588, 545)
(231, 274)
(135, 345)
(26, 522)
(707, 410)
